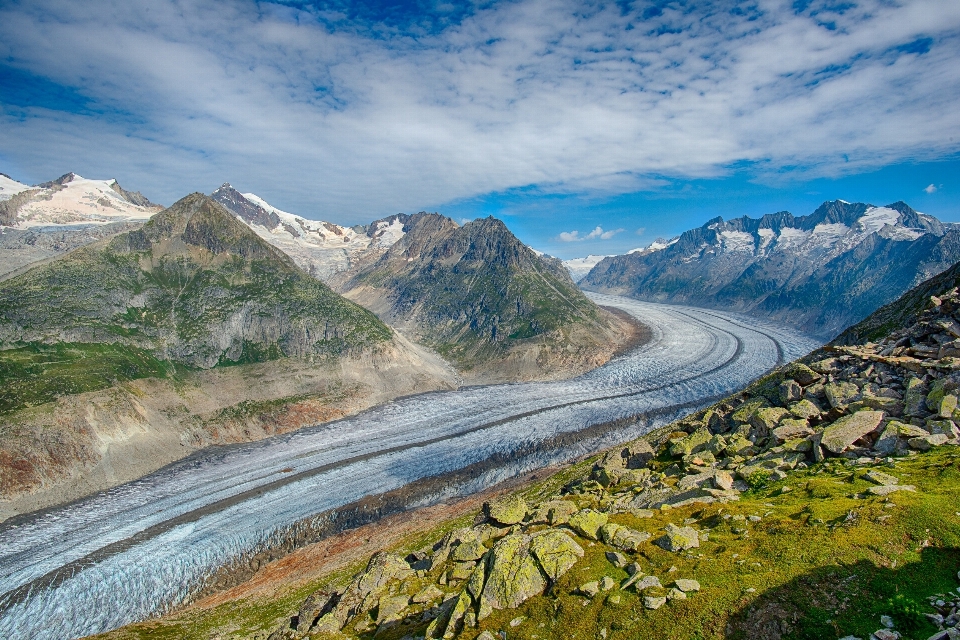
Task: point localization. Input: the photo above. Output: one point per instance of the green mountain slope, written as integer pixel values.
(194, 286)
(478, 295)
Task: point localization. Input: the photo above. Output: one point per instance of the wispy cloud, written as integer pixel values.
(346, 114)
(597, 234)
(930, 188)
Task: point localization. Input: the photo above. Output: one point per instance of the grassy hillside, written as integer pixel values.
(194, 287)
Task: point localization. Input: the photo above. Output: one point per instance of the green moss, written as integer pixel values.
(37, 373)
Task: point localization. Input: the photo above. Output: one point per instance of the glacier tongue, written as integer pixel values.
(139, 549)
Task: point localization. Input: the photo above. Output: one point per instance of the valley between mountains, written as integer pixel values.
(192, 393)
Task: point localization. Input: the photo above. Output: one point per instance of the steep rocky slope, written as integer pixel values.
(819, 273)
(105, 353)
(319, 248)
(818, 503)
(486, 301)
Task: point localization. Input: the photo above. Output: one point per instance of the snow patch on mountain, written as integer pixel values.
(579, 267)
(10, 187)
(75, 200)
(318, 247)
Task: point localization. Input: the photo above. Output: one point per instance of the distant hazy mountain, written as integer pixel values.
(820, 273)
(320, 248)
(485, 300)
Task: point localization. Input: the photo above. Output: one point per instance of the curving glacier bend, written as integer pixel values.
(141, 548)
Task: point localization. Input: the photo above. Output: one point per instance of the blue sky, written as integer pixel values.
(588, 127)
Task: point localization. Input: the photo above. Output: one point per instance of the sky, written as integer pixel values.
(590, 128)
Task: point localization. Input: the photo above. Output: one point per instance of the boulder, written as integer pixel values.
(607, 583)
(848, 429)
(805, 409)
(766, 419)
(428, 594)
(553, 512)
(925, 443)
(693, 443)
(508, 510)
(946, 427)
(617, 559)
(678, 538)
(722, 480)
(468, 551)
(801, 373)
(622, 537)
(792, 429)
(587, 523)
(695, 480)
(391, 608)
(654, 602)
(947, 406)
(937, 391)
(639, 454)
(647, 582)
(555, 551)
(890, 488)
(316, 605)
(686, 585)
(840, 394)
(915, 398)
(790, 391)
(889, 440)
(513, 575)
(382, 569)
(589, 589)
(879, 477)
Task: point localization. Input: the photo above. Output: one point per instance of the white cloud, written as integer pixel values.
(641, 231)
(597, 234)
(328, 121)
(930, 188)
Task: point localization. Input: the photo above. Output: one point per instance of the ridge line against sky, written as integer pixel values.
(588, 127)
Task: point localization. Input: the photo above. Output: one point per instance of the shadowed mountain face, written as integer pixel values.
(193, 286)
(819, 273)
(476, 293)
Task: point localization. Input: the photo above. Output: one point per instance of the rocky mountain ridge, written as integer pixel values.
(319, 248)
(821, 272)
(483, 299)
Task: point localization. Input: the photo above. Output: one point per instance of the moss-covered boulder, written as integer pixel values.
(841, 394)
(555, 551)
(513, 575)
(622, 537)
(678, 538)
(587, 523)
(848, 429)
(805, 409)
(507, 511)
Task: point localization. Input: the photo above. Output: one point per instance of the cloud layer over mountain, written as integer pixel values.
(343, 113)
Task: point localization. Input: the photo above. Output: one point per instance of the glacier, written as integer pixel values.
(141, 549)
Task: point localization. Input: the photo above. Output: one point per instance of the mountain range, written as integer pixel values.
(819, 273)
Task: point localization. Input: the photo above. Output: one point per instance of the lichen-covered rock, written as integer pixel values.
(937, 391)
(722, 480)
(508, 510)
(639, 454)
(840, 394)
(316, 605)
(468, 551)
(879, 477)
(623, 538)
(686, 585)
(383, 568)
(429, 593)
(513, 575)
(686, 445)
(678, 538)
(766, 419)
(790, 391)
(805, 409)
(589, 589)
(555, 551)
(391, 608)
(654, 602)
(587, 523)
(647, 582)
(925, 443)
(801, 373)
(792, 429)
(915, 397)
(848, 429)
